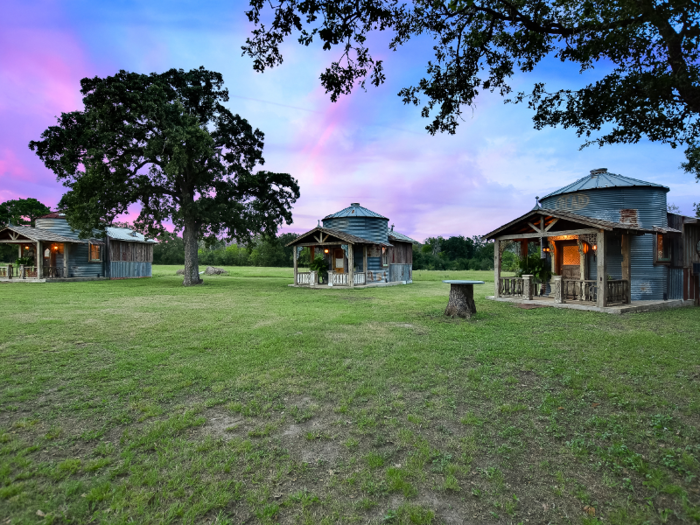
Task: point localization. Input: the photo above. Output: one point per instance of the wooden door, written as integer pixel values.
(570, 261)
(339, 260)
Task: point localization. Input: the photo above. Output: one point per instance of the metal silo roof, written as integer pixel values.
(600, 179)
(394, 235)
(355, 210)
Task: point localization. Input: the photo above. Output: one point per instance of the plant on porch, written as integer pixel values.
(320, 266)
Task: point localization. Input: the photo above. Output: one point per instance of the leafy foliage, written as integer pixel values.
(166, 142)
(533, 264)
(22, 212)
(650, 51)
(453, 253)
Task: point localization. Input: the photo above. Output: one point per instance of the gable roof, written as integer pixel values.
(573, 217)
(350, 239)
(600, 179)
(355, 210)
(38, 234)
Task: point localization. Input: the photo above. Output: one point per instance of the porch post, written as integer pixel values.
(66, 249)
(351, 264)
(295, 264)
(527, 287)
(627, 267)
(583, 262)
(523, 249)
(364, 261)
(497, 266)
(39, 261)
(602, 268)
(557, 289)
(20, 250)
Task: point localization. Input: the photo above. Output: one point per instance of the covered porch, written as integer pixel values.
(575, 250)
(352, 261)
(47, 254)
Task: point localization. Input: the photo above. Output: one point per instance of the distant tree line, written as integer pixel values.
(454, 253)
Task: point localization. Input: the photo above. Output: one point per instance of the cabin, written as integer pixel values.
(359, 249)
(54, 252)
(611, 245)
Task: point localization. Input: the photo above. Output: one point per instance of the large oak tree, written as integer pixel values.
(166, 142)
(648, 50)
(22, 212)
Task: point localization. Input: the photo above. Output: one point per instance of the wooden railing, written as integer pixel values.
(511, 287)
(337, 279)
(359, 279)
(618, 291)
(53, 272)
(580, 290)
(304, 278)
(18, 272)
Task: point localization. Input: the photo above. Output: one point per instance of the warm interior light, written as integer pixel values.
(595, 247)
(326, 250)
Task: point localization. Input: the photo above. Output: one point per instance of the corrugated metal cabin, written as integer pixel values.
(610, 241)
(359, 248)
(63, 256)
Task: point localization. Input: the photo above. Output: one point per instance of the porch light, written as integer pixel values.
(326, 250)
(595, 247)
(546, 249)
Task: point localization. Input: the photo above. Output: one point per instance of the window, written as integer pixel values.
(384, 261)
(95, 253)
(662, 254)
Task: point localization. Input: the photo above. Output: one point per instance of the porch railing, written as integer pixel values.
(359, 279)
(618, 291)
(18, 272)
(304, 278)
(580, 290)
(53, 272)
(511, 287)
(337, 279)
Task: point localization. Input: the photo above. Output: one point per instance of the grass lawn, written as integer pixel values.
(247, 401)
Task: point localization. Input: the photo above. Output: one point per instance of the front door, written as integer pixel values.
(570, 261)
(339, 260)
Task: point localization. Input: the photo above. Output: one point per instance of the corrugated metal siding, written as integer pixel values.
(128, 270)
(606, 204)
(649, 282)
(370, 228)
(59, 226)
(399, 272)
(79, 267)
(374, 264)
(675, 283)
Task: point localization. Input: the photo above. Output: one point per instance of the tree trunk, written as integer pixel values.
(461, 303)
(191, 254)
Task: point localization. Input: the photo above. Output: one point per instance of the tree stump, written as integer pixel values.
(461, 303)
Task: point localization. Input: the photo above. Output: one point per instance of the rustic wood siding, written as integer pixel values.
(675, 241)
(131, 252)
(401, 253)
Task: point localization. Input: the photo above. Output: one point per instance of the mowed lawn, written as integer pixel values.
(247, 401)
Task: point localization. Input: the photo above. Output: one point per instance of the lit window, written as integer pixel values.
(95, 253)
(663, 249)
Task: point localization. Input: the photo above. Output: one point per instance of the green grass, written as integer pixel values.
(245, 400)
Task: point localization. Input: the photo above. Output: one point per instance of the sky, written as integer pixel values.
(368, 147)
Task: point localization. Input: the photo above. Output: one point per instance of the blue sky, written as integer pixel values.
(368, 148)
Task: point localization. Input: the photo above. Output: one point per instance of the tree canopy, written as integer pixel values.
(648, 51)
(22, 212)
(166, 142)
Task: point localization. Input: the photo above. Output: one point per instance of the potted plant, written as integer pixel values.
(320, 266)
(538, 267)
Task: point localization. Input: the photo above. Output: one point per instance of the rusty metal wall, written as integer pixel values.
(675, 283)
(400, 272)
(129, 270)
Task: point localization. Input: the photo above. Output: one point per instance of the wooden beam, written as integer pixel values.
(519, 236)
(550, 225)
(602, 269)
(497, 265)
(332, 243)
(627, 266)
(534, 227)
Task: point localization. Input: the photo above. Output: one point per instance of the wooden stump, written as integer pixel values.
(461, 303)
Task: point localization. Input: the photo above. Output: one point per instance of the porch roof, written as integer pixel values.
(37, 234)
(556, 215)
(350, 239)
